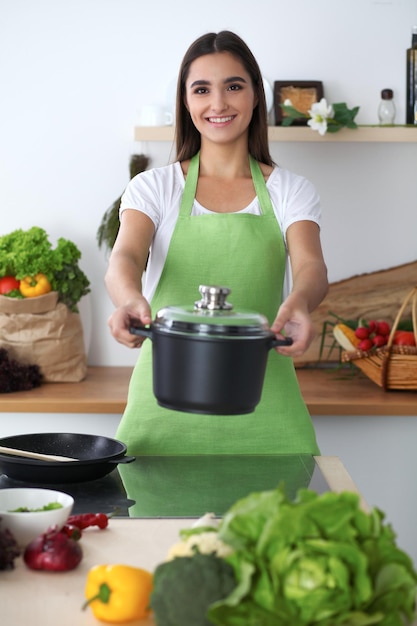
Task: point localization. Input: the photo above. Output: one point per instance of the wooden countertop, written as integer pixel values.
(104, 390)
(326, 392)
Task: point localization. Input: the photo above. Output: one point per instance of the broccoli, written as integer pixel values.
(185, 588)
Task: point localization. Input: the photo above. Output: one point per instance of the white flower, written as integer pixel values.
(322, 117)
(320, 112)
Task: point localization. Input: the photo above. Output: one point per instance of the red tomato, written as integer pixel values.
(7, 284)
(382, 328)
(404, 338)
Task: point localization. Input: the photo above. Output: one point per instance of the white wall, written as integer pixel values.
(73, 75)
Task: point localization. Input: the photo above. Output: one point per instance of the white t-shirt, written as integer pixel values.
(158, 192)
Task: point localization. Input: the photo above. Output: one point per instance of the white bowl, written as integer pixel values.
(27, 526)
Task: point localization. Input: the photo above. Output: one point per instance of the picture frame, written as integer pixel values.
(302, 93)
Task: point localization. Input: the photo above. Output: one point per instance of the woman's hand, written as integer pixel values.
(121, 319)
(293, 321)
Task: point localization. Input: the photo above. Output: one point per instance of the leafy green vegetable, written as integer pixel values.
(29, 252)
(68, 279)
(185, 587)
(319, 560)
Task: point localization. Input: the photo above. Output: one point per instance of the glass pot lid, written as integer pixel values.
(212, 315)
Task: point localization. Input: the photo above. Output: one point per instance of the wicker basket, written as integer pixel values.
(391, 367)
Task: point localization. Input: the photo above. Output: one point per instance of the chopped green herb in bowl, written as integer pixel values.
(46, 507)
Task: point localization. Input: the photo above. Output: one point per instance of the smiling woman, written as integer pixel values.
(222, 214)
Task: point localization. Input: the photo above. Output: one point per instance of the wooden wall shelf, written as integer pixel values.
(326, 392)
(363, 134)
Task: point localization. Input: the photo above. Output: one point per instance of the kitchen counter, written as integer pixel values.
(48, 599)
(44, 598)
(326, 391)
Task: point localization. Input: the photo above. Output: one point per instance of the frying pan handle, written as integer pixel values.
(122, 459)
(287, 341)
(141, 330)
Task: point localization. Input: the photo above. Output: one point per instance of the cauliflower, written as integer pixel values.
(207, 542)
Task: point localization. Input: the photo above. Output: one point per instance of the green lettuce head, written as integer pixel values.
(319, 560)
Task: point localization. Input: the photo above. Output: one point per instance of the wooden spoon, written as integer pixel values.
(35, 455)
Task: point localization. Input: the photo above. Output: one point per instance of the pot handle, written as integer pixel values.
(143, 331)
(287, 341)
(122, 459)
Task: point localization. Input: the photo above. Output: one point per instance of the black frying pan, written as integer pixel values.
(97, 456)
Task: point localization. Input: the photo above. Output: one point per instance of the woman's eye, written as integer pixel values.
(200, 90)
(235, 87)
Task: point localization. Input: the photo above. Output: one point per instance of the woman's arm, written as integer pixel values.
(123, 277)
(310, 286)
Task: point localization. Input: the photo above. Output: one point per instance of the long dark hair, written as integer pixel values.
(188, 139)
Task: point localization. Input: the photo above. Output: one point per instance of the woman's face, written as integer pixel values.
(220, 97)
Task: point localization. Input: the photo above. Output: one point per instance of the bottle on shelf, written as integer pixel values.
(411, 104)
(386, 109)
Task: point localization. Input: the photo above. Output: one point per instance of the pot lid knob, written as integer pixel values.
(213, 298)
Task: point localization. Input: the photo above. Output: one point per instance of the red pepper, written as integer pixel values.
(86, 520)
(72, 531)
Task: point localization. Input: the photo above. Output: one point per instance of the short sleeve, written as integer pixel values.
(153, 192)
(294, 198)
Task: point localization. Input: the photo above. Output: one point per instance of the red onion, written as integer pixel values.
(53, 551)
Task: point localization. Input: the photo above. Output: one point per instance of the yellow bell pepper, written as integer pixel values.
(118, 593)
(32, 286)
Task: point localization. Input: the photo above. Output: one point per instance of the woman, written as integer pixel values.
(202, 222)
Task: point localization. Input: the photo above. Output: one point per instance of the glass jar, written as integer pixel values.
(386, 109)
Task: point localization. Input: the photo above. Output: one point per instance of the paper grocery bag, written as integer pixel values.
(44, 332)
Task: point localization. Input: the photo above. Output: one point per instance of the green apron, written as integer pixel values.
(246, 253)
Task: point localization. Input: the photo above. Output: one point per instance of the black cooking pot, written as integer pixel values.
(209, 358)
(98, 456)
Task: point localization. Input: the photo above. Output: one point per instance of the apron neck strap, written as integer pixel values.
(260, 187)
(191, 181)
(190, 186)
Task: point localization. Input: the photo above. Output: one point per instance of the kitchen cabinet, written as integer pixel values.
(364, 134)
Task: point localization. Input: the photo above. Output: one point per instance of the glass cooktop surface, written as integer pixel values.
(187, 486)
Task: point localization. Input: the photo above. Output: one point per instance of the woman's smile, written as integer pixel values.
(221, 120)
